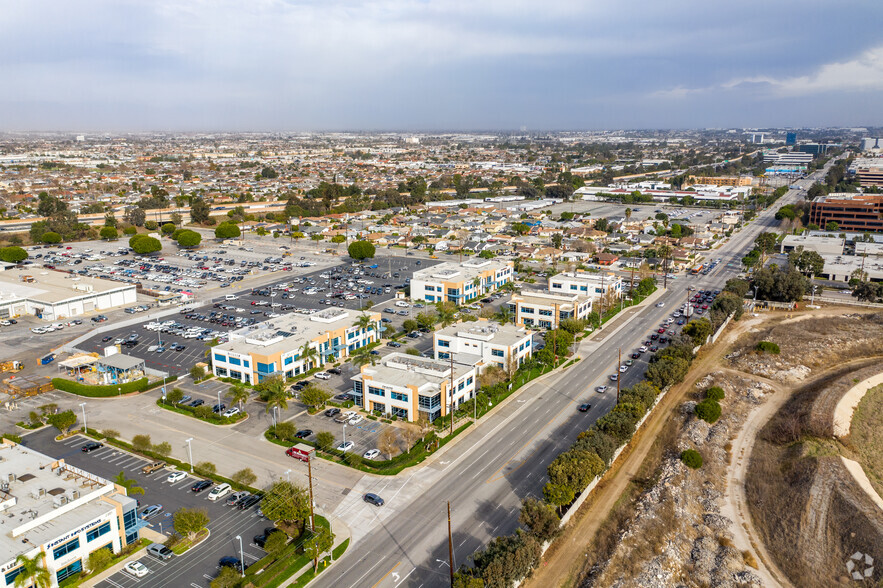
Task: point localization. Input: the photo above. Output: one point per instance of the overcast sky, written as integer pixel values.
(298, 65)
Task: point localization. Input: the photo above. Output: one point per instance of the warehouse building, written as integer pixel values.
(52, 295)
(59, 512)
(280, 346)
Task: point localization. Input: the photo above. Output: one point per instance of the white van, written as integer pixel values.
(219, 491)
(230, 297)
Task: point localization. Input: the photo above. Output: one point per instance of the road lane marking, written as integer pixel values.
(384, 575)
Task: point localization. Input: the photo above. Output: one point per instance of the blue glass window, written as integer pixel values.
(96, 533)
(68, 547)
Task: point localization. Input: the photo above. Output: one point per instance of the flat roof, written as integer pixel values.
(52, 287)
(31, 506)
(402, 370)
(549, 299)
(459, 272)
(121, 361)
(490, 331)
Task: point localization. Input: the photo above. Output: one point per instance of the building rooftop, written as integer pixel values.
(120, 361)
(402, 370)
(50, 286)
(564, 301)
(487, 331)
(459, 272)
(42, 498)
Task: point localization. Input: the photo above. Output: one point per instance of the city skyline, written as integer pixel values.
(426, 66)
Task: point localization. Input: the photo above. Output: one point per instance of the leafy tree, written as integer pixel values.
(32, 572)
(245, 477)
(286, 431)
(410, 325)
(808, 262)
(151, 225)
(143, 245)
(51, 238)
(832, 226)
(767, 243)
(276, 543)
(325, 440)
(709, 410)
(135, 216)
(206, 468)
(176, 219)
(361, 250)
(199, 210)
(575, 468)
(557, 240)
(130, 231)
(486, 254)
(715, 393)
(108, 233)
(129, 484)
(388, 441)
(189, 238)
(540, 519)
(227, 231)
(168, 228)
(691, 458)
(767, 347)
(572, 326)
(174, 396)
(286, 502)
(667, 371)
(727, 303)
(314, 395)
(13, 254)
(62, 421)
(269, 173)
(521, 228)
(227, 578)
(164, 449)
(204, 412)
(738, 287)
(773, 283)
(601, 443)
(866, 291)
(618, 425)
(141, 442)
(319, 543)
(272, 390)
(646, 287)
(507, 559)
(188, 522)
(698, 330)
(99, 559)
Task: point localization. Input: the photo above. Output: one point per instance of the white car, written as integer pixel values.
(350, 414)
(230, 412)
(345, 446)
(371, 454)
(660, 304)
(356, 420)
(137, 569)
(642, 349)
(323, 376)
(623, 369)
(176, 477)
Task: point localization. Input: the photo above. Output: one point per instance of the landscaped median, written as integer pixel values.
(203, 413)
(90, 391)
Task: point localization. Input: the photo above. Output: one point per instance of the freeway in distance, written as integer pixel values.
(503, 460)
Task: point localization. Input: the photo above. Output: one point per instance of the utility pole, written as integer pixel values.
(450, 546)
(310, 476)
(618, 375)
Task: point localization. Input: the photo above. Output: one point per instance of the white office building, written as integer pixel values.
(60, 512)
(545, 310)
(484, 342)
(461, 282)
(594, 285)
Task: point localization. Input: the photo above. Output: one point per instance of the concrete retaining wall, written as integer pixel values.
(846, 406)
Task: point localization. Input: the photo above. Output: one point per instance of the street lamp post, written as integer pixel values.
(288, 475)
(85, 428)
(190, 452)
(241, 557)
(344, 434)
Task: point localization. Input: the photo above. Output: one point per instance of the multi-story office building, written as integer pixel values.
(414, 388)
(484, 342)
(851, 212)
(870, 174)
(460, 282)
(603, 284)
(279, 346)
(790, 138)
(787, 159)
(60, 513)
(545, 310)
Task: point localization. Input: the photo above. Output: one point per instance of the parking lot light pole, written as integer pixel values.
(190, 452)
(288, 475)
(85, 428)
(344, 434)
(241, 557)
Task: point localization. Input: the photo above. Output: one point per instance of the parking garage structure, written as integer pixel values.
(278, 346)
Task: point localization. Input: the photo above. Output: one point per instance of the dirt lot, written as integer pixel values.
(866, 436)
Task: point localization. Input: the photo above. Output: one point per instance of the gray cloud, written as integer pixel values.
(293, 65)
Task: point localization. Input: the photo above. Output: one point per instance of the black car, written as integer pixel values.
(106, 339)
(413, 335)
(584, 407)
(201, 485)
(229, 561)
(219, 407)
(334, 370)
(197, 402)
(343, 397)
(373, 499)
(185, 398)
(92, 446)
(248, 502)
(636, 355)
(393, 344)
(332, 412)
(261, 540)
(298, 386)
(304, 433)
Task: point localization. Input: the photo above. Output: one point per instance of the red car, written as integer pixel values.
(660, 331)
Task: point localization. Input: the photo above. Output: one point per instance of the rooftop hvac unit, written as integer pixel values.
(38, 492)
(59, 501)
(10, 478)
(73, 495)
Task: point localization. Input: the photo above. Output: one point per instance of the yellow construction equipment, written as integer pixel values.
(11, 366)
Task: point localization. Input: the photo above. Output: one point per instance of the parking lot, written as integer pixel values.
(199, 565)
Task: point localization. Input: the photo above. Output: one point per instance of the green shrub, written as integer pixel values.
(715, 393)
(708, 410)
(691, 458)
(767, 347)
(81, 389)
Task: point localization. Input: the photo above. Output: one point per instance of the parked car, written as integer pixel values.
(228, 561)
(200, 486)
(137, 569)
(152, 467)
(236, 497)
(332, 412)
(197, 402)
(248, 502)
(395, 344)
(335, 371)
(371, 498)
(323, 376)
(92, 446)
(303, 433)
(176, 477)
(151, 511)
(159, 551)
(219, 492)
(233, 411)
(346, 446)
(261, 540)
(371, 454)
(355, 420)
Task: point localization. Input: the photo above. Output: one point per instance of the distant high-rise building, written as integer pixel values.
(81, 138)
(870, 144)
(791, 139)
(814, 148)
(756, 138)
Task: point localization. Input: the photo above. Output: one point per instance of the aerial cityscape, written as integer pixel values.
(424, 294)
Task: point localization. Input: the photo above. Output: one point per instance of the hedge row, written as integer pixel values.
(90, 391)
(190, 411)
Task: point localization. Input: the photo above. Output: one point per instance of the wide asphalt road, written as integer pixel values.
(504, 460)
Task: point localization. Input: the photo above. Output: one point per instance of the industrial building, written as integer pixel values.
(461, 282)
(823, 245)
(61, 512)
(53, 295)
(279, 346)
(851, 212)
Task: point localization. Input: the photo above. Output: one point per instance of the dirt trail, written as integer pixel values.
(563, 562)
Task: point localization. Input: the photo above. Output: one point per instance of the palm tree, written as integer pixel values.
(364, 322)
(32, 573)
(361, 356)
(128, 483)
(504, 314)
(307, 354)
(237, 394)
(277, 397)
(628, 214)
